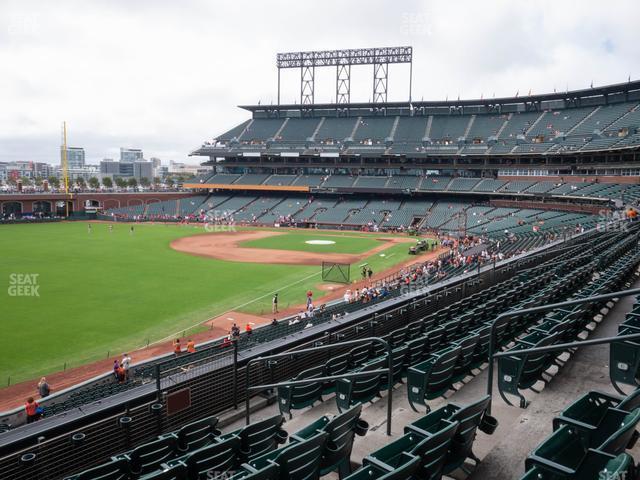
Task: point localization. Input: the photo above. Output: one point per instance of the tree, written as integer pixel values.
(54, 181)
(144, 181)
(38, 181)
(94, 183)
(121, 182)
(132, 182)
(156, 181)
(107, 182)
(80, 181)
(25, 181)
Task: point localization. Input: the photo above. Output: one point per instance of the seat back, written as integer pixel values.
(439, 378)
(300, 396)
(301, 461)
(630, 402)
(360, 355)
(469, 418)
(176, 472)
(149, 456)
(269, 472)
(113, 470)
(415, 350)
(467, 347)
(198, 434)
(617, 442)
(398, 356)
(261, 437)
(432, 451)
(341, 430)
(219, 457)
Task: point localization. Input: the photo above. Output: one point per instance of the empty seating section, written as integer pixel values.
(280, 180)
(370, 182)
(310, 180)
(298, 129)
(168, 207)
(631, 118)
(223, 178)
(434, 182)
(234, 132)
(262, 130)
(442, 212)
(251, 179)
(485, 126)
(335, 130)
(339, 181)
(228, 208)
(410, 130)
(448, 128)
(559, 121)
(403, 182)
(374, 129)
(255, 210)
(601, 119)
(462, 184)
(283, 210)
(516, 187)
(489, 185)
(518, 124)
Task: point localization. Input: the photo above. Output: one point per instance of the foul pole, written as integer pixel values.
(65, 168)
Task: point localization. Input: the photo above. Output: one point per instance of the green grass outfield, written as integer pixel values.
(111, 292)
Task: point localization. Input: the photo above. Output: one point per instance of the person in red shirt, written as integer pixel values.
(248, 329)
(31, 407)
(191, 346)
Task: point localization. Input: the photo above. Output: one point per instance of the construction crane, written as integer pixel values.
(65, 168)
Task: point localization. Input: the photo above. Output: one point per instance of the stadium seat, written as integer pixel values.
(341, 430)
(260, 437)
(567, 448)
(596, 465)
(406, 470)
(431, 449)
(295, 397)
(222, 457)
(198, 434)
(432, 378)
(116, 469)
(148, 457)
(591, 408)
(351, 391)
(296, 461)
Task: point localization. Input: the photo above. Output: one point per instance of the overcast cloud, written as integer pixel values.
(166, 75)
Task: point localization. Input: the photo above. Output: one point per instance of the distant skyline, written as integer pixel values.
(164, 76)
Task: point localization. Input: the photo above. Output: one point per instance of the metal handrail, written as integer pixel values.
(389, 372)
(506, 317)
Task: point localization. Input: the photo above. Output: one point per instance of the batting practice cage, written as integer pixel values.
(335, 272)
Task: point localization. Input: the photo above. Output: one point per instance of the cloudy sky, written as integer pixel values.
(166, 75)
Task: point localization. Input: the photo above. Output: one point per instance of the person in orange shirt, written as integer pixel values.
(248, 329)
(191, 346)
(177, 349)
(31, 407)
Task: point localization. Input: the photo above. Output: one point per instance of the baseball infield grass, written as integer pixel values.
(103, 291)
(335, 243)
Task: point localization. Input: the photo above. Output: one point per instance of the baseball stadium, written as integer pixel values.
(380, 290)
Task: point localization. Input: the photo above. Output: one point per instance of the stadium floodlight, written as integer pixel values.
(380, 58)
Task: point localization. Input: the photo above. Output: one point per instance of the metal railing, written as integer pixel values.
(505, 318)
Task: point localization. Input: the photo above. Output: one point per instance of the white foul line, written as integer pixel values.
(232, 309)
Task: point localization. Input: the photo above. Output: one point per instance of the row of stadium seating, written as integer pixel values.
(260, 450)
(438, 183)
(391, 213)
(581, 128)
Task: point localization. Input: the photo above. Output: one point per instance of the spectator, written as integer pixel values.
(31, 408)
(235, 332)
(248, 329)
(191, 346)
(43, 388)
(116, 367)
(177, 348)
(125, 364)
(274, 323)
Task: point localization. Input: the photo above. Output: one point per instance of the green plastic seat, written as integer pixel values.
(351, 391)
(295, 397)
(296, 461)
(624, 362)
(407, 470)
(590, 409)
(596, 465)
(269, 472)
(222, 458)
(150, 456)
(568, 447)
(117, 469)
(335, 366)
(198, 434)
(432, 378)
(432, 450)
(467, 348)
(342, 429)
(520, 372)
(177, 472)
(260, 437)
